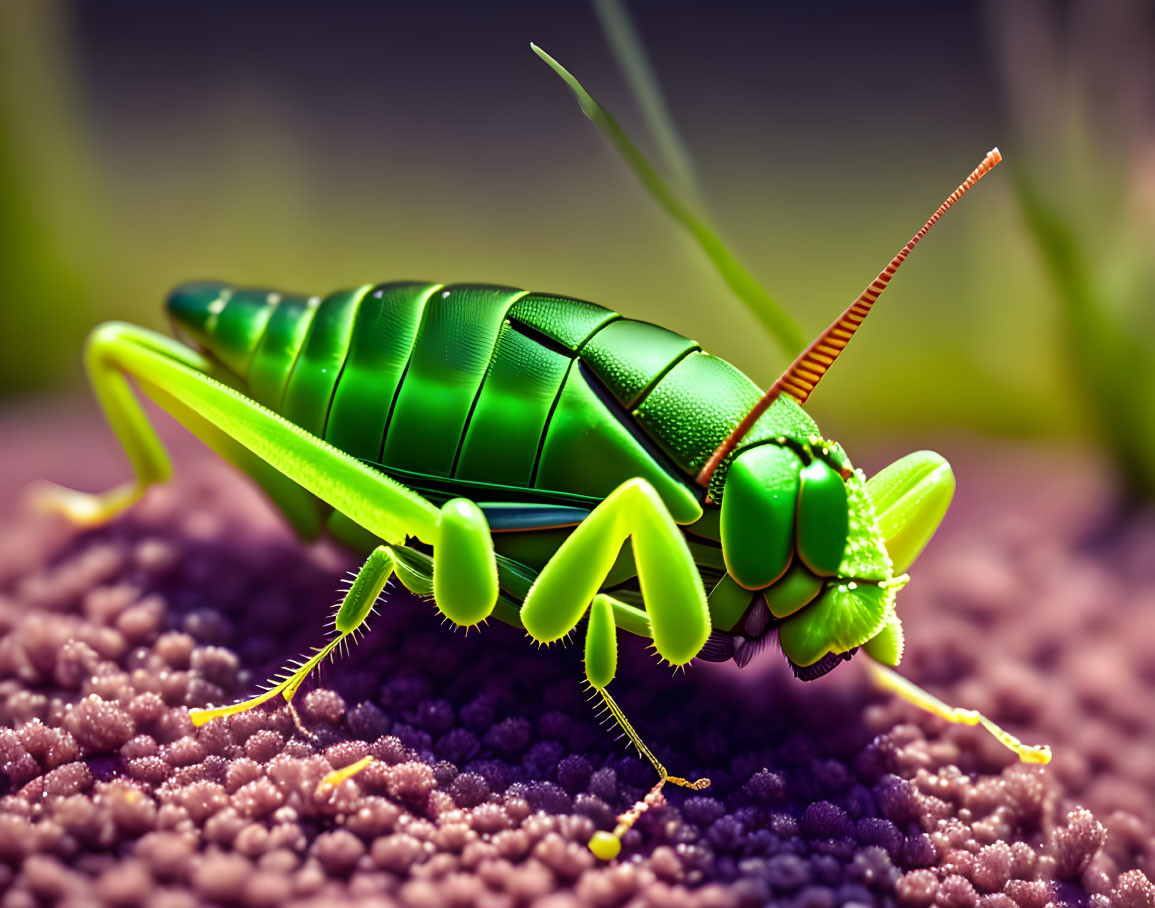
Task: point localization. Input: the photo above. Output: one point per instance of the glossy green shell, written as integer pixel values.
(509, 397)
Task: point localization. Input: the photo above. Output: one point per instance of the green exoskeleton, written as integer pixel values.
(494, 449)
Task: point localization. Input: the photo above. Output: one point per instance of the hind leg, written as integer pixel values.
(149, 461)
(179, 380)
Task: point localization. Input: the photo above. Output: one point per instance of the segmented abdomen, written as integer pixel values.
(483, 384)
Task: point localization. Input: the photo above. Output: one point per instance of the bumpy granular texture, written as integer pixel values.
(490, 770)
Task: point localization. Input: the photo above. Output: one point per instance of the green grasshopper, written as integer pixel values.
(494, 449)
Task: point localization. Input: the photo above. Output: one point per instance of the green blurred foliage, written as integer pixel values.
(48, 230)
(1081, 87)
(98, 217)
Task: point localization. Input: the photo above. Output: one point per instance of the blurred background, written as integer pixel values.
(308, 148)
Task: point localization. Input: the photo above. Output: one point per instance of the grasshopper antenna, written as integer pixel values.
(807, 370)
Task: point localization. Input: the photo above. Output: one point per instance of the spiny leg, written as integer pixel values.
(607, 845)
(601, 664)
(677, 613)
(912, 693)
(601, 659)
(464, 589)
(351, 615)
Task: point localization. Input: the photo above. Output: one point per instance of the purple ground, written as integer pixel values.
(1032, 604)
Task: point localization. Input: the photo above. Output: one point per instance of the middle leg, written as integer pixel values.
(676, 616)
(464, 588)
(601, 664)
(351, 615)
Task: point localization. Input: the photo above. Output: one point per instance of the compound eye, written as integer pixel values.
(759, 506)
(823, 518)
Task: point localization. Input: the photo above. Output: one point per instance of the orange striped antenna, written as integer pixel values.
(807, 370)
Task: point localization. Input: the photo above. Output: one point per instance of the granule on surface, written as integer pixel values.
(1074, 843)
(240, 772)
(1133, 890)
(410, 782)
(51, 747)
(257, 798)
(337, 851)
(220, 877)
(98, 725)
(263, 745)
(397, 852)
(324, 705)
(491, 772)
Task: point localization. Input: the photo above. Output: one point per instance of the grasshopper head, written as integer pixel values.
(891, 519)
(825, 551)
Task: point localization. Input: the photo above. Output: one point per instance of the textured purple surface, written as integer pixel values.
(492, 770)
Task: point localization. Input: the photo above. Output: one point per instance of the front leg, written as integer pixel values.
(890, 680)
(676, 615)
(671, 586)
(601, 664)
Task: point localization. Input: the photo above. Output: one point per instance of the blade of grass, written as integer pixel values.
(780, 325)
(635, 64)
(1114, 370)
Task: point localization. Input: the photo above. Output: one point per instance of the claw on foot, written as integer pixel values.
(608, 845)
(698, 785)
(605, 845)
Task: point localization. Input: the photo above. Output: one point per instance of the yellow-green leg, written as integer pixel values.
(601, 659)
(601, 665)
(910, 498)
(912, 693)
(464, 590)
(676, 617)
(676, 611)
(178, 379)
(150, 463)
(465, 573)
(351, 616)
